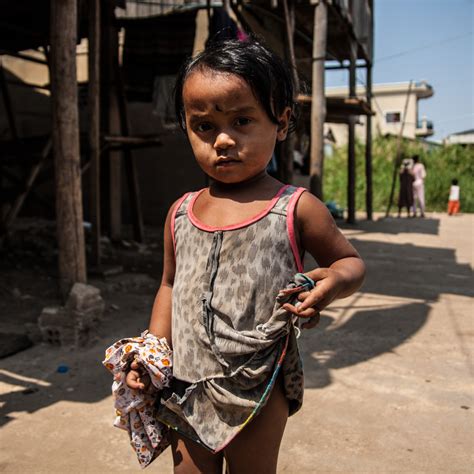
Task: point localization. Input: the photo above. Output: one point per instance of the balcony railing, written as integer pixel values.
(424, 128)
(425, 124)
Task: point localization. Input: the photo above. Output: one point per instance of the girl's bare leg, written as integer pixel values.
(256, 448)
(190, 458)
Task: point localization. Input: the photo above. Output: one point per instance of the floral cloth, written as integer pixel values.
(136, 409)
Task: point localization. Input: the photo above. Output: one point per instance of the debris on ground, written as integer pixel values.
(29, 284)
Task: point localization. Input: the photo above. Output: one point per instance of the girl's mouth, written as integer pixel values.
(226, 162)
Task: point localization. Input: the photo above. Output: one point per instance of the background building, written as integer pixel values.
(395, 108)
(460, 138)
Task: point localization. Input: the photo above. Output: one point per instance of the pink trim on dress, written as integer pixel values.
(208, 228)
(173, 217)
(290, 224)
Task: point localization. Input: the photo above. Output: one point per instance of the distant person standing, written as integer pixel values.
(453, 202)
(419, 175)
(405, 196)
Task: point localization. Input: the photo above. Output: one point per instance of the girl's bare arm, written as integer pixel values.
(160, 321)
(341, 271)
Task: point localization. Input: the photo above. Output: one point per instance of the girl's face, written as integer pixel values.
(231, 135)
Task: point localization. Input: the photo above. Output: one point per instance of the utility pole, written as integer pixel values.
(398, 155)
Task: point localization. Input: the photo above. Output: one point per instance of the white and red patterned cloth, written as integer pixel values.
(136, 409)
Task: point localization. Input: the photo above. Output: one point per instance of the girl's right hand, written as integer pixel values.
(137, 378)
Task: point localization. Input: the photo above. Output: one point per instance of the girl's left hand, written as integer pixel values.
(329, 284)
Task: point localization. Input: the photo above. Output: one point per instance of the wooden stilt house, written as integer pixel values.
(102, 69)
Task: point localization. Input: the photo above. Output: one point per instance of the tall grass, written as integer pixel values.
(442, 165)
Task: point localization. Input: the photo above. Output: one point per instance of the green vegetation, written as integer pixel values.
(442, 165)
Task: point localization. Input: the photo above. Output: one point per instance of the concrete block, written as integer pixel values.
(34, 332)
(83, 297)
(55, 316)
(73, 324)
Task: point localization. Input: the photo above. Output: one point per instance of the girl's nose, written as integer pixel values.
(223, 141)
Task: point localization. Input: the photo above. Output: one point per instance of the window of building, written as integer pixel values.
(393, 117)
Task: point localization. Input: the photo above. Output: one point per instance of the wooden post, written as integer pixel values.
(115, 157)
(112, 184)
(318, 103)
(351, 158)
(14, 134)
(94, 127)
(208, 11)
(290, 34)
(65, 135)
(104, 74)
(8, 104)
(289, 145)
(130, 168)
(368, 146)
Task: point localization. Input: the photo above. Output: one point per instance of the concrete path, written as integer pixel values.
(389, 372)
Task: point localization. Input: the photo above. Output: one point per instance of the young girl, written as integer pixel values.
(229, 250)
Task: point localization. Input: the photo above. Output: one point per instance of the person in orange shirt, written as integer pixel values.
(453, 201)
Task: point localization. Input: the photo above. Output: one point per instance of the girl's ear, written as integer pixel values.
(283, 124)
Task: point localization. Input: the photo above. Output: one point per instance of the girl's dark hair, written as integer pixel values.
(266, 73)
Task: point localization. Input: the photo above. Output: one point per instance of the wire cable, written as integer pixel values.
(429, 45)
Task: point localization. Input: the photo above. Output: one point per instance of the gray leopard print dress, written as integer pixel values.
(230, 335)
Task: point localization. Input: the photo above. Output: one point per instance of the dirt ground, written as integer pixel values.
(389, 371)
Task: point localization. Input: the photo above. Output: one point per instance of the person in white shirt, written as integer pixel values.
(419, 174)
(453, 201)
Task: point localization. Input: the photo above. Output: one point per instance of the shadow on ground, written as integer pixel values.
(413, 271)
(365, 335)
(398, 271)
(44, 375)
(85, 381)
(394, 225)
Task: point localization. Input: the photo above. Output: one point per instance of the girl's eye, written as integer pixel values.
(242, 121)
(203, 127)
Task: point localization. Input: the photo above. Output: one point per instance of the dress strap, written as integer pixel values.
(286, 207)
(284, 198)
(179, 209)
